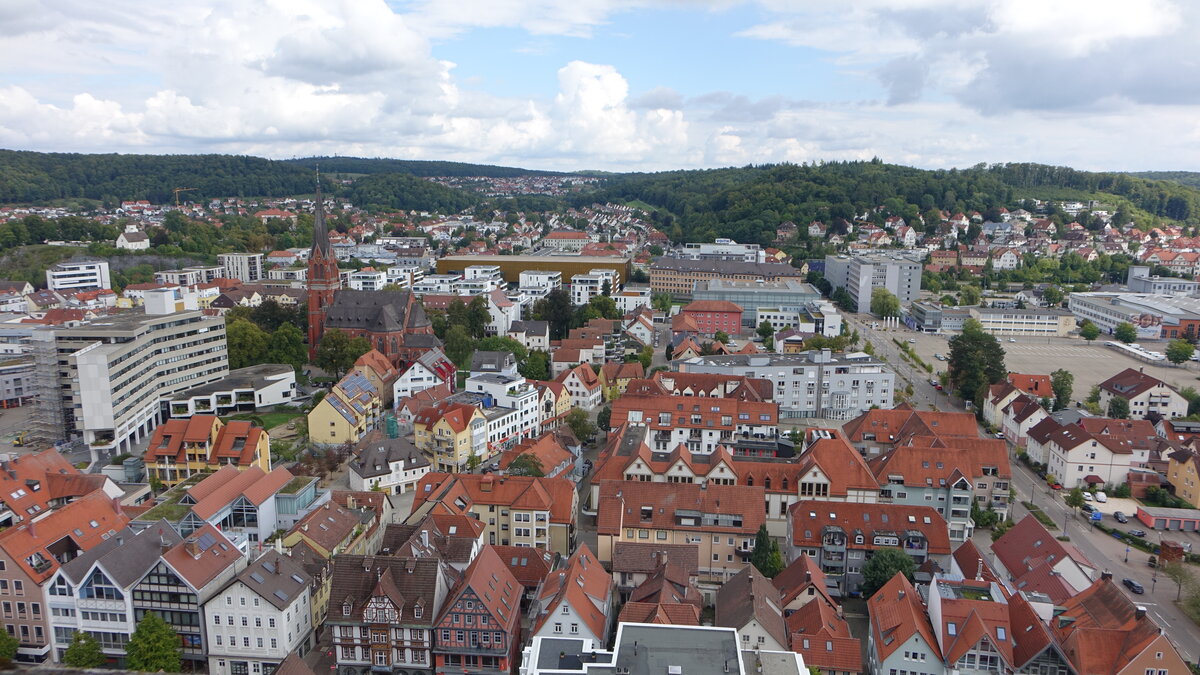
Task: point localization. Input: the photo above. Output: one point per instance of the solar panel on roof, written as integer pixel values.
(206, 541)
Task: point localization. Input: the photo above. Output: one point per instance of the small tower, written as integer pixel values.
(324, 280)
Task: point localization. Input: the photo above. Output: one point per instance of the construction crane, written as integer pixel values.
(178, 190)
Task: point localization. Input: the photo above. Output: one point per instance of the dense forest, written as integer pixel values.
(747, 203)
(363, 165)
(408, 192)
(39, 177)
(1189, 178)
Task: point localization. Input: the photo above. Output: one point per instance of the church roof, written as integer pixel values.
(376, 311)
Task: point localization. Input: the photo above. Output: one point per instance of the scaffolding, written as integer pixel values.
(48, 424)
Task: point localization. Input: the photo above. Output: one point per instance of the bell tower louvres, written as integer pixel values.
(323, 277)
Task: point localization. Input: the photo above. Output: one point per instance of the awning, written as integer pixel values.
(1093, 479)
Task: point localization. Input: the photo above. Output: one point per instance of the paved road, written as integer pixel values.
(924, 395)
(1109, 554)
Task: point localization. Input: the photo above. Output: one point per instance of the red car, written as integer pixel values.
(1056, 486)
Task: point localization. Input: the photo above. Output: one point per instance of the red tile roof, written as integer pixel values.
(556, 495)
(809, 517)
(675, 614)
(1130, 383)
(529, 565)
(227, 484)
(585, 586)
(496, 589)
(818, 631)
(711, 306)
(86, 521)
(202, 556)
(1034, 385)
(898, 615)
(622, 504)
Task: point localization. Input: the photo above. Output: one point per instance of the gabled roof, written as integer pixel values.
(496, 589)
(328, 526)
(1100, 631)
(661, 613)
(711, 306)
(638, 558)
(530, 566)
(125, 557)
(584, 585)
(903, 422)
(86, 522)
(275, 578)
(556, 495)
(897, 615)
(33, 481)
(803, 573)
(625, 501)
(410, 583)
(669, 582)
(1029, 553)
(817, 631)
(809, 518)
(1130, 383)
(750, 596)
(202, 556)
(228, 484)
(1034, 385)
(452, 538)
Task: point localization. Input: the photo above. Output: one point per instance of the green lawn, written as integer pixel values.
(272, 419)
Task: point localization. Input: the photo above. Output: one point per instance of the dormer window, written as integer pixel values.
(345, 609)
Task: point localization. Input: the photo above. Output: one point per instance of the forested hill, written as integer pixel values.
(27, 177)
(38, 177)
(421, 168)
(747, 203)
(1189, 178)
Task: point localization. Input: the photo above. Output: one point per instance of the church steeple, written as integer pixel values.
(324, 280)
(320, 231)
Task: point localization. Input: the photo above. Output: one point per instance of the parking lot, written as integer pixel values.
(1090, 363)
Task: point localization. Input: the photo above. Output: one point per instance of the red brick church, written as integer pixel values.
(393, 321)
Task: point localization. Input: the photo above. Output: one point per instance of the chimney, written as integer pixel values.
(192, 548)
(1106, 575)
(116, 504)
(808, 576)
(425, 538)
(662, 558)
(1139, 612)
(979, 569)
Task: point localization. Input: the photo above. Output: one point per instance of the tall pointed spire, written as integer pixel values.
(320, 231)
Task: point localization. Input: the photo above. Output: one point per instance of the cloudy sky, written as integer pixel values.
(610, 84)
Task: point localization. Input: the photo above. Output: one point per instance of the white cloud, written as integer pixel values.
(1070, 82)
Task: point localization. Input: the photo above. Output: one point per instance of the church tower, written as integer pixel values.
(323, 277)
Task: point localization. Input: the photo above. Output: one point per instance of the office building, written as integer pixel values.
(104, 381)
(861, 275)
(80, 274)
(679, 277)
(810, 384)
(723, 249)
(511, 266)
(1139, 280)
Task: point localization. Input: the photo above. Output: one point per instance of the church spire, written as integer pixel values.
(320, 231)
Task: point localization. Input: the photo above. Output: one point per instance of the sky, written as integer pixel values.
(618, 85)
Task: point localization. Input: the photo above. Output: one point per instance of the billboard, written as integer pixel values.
(1149, 326)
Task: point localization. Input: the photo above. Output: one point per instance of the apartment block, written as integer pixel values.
(810, 384)
(516, 510)
(180, 449)
(104, 381)
(247, 267)
(721, 519)
(723, 249)
(861, 275)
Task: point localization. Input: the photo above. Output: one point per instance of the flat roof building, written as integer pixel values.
(1156, 317)
(511, 266)
(861, 275)
(786, 294)
(679, 276)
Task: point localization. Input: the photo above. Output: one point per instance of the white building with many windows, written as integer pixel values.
(79, 275)
(259, 618)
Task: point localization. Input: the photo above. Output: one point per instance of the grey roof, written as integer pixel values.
(696, 650)
(490, 362)
(254, 377)
(276, 578)
(126, 557)
(422, 340)
(530, 327)
(375, 456)
(750, 595)
(376, 311)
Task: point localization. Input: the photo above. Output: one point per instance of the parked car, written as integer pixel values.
(1087, 497)
(933, 382)
(999, 434)
(1137, 533)
(1152, 561)
(1120, 517)
(1012, 339)
(1056, 486)
(1101, 497)
(912, 341)
(1133, 586)
(1088, 509)
(939, 357)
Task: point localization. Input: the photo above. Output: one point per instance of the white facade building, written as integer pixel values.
(260, 618)
(537, 284)
(584, 287)
(79, 275)
(724, 249)
(247, 267)
(813, 383)
(368, 279)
